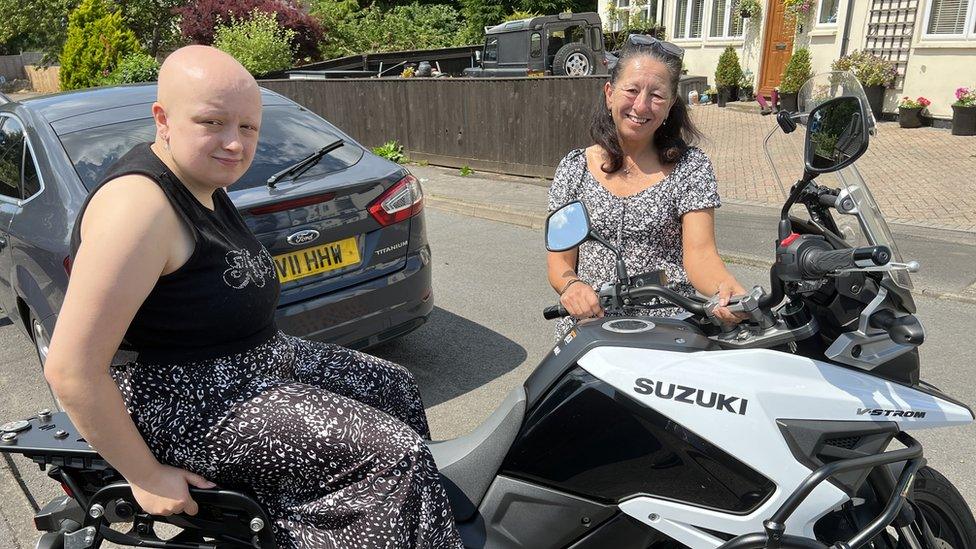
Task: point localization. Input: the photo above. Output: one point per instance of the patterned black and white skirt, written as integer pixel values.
(329, 439)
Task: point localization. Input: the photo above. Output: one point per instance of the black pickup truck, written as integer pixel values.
(568, 44)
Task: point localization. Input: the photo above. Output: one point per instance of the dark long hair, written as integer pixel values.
(671, 139)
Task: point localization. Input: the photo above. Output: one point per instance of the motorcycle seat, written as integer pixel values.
(469, 464)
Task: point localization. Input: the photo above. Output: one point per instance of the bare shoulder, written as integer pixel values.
(131, 201)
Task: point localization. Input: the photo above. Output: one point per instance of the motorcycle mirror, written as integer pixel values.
(837, 135)
(567, 227)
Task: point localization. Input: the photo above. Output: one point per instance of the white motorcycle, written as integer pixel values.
(787, 431)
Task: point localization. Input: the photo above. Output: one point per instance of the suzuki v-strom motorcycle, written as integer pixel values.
(787, 431)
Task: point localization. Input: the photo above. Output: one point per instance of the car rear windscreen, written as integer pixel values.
(288, 134)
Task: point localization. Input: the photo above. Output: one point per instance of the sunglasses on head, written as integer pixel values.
(645, 41)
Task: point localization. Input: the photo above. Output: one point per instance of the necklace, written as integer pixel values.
(629, 168)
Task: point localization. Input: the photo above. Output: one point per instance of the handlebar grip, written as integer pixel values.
(555, 311)
(818, 262)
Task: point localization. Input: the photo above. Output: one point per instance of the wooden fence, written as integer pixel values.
(43, 79)
(11, 67)
(520, 126)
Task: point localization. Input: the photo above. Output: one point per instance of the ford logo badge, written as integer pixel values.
(303, 237)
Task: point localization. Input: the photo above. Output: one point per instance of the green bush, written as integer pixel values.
(728, 73)
(97, 40)
(869, 69)
(257, 43)
(797, 72)
(391, 150)
(133, 68)
(371, 29)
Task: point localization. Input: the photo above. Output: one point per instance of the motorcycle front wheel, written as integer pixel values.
(946, 513)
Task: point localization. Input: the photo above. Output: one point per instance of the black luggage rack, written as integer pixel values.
(98, 497)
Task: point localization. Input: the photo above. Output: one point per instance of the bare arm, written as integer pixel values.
(577, 297)
(706, 270)
(128, 238)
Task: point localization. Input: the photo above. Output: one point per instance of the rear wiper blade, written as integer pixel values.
(303, 165)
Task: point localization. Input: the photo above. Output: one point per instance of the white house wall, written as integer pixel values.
(701, 54)
(935, 67)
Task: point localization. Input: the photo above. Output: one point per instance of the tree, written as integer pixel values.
(34, 25)
(153, 21)
(96, 41)
(259, 43)
(406, 27)
(201, 17)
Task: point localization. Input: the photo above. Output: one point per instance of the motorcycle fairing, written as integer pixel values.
(775, 386)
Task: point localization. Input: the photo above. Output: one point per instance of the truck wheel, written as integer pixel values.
(575, 59)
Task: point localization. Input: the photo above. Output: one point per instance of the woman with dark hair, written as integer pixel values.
(647, 188)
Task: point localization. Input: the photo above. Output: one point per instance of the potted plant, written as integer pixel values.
(727, 76)
(750, 8)
(910, 111)
(745, 86)
(709, 96)
(797, 72)
(874, 73)
(964, 112)
(798, 11)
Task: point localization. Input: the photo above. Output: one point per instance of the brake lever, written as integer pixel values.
(911, 267)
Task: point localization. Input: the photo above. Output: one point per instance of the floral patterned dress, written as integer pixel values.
(645, 226)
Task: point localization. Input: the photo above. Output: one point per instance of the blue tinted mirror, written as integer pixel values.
(567, 227)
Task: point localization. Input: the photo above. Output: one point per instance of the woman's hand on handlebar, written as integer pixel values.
(726, 289)
(581, 301)
(166, 493)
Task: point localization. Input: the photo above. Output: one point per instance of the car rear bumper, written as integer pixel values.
(369, 313)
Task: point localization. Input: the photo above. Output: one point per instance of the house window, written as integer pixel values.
(827, 14)
(688, 19)
(726, 19)
(636, 15)
(951, 19)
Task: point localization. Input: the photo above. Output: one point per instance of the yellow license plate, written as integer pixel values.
(317, 259)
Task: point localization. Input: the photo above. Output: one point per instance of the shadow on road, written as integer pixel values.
(450, 356)
(4, 321)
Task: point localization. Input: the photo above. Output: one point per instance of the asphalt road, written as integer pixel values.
(484, 337)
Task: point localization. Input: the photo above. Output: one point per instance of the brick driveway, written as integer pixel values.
(922, 176)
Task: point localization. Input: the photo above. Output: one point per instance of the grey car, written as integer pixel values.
(347, 233)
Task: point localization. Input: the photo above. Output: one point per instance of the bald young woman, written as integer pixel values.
(206, 391)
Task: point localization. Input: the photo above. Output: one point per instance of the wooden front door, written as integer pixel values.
(777, 47)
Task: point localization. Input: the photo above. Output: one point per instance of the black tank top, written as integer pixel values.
(221, 301)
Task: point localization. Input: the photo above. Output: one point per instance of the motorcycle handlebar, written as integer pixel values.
(640, 295)
(555, 311)
(818, 262)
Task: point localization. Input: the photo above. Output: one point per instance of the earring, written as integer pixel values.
(665, 123)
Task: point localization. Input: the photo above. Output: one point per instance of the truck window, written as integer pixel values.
(561, 37)
(491, 49)
(536, 45)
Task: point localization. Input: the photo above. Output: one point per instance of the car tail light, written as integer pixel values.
(402, 201)
(291, 204)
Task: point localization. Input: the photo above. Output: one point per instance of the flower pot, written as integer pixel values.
(723, 96)
(733, 93)
(787, 102)
(875, 96)
(745, 94)
(910, 118)
(963, 120)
